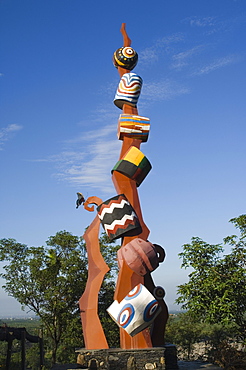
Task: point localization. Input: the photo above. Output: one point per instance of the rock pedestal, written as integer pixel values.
(129, 359)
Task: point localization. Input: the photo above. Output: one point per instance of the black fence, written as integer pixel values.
(9, 334)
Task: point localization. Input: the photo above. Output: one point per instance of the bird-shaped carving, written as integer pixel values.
(80, 200)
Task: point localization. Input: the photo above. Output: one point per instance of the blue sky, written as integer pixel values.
(57, 89)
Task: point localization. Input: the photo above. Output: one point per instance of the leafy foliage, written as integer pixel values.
(111, 329)
(197, 340)
(50, 280)
(215, 292)
(184, 331)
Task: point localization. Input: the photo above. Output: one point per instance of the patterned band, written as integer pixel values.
(135, 127)
(134, 165)
(118, 217)
(128, 90)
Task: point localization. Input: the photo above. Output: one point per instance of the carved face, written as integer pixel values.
(136, 311)
(125, 57)
(139, 255)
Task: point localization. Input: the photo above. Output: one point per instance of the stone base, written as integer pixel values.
(129, 359)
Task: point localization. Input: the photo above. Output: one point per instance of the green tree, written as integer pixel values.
(215, 292)
(50, 280)
(111, 329)
(184, 330)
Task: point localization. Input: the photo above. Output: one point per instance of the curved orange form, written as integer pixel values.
(128, 279)
(126, 39)
(97, 268)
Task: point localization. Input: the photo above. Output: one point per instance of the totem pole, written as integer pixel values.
(138, 307)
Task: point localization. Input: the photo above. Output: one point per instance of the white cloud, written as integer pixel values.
(201, 22)
(171, 39)
(7, 132)
(163, 90)
(151, 54)
(218, 63)
(88, 159)
(181, 59)
(94, 170)
(211, 25)
(65, 158)
(94, 134)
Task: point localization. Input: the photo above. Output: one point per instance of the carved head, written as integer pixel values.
(125, 57)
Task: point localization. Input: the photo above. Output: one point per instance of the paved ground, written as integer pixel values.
(194, 365)
(64, 367)
(183, 365)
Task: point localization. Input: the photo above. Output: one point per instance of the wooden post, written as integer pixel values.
(41, 350)
(23, 350)
(9, 351)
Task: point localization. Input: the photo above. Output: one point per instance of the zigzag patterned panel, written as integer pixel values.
(118, 217)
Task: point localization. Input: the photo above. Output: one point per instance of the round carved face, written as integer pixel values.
(125, 57)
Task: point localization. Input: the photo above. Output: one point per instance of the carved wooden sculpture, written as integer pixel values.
(138, 302)
(124, 183)
(92, 329)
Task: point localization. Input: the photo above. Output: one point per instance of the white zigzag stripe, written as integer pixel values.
(119, 222)
(111, 208)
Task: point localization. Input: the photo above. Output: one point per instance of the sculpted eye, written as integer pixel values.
(126, 315)
(134, 292)
(150, 310)
(128, 52)
(159, 292)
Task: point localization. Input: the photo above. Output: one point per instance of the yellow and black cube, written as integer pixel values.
(134, 165)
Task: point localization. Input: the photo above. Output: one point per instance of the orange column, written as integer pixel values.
(97, 268)
(128, 279)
